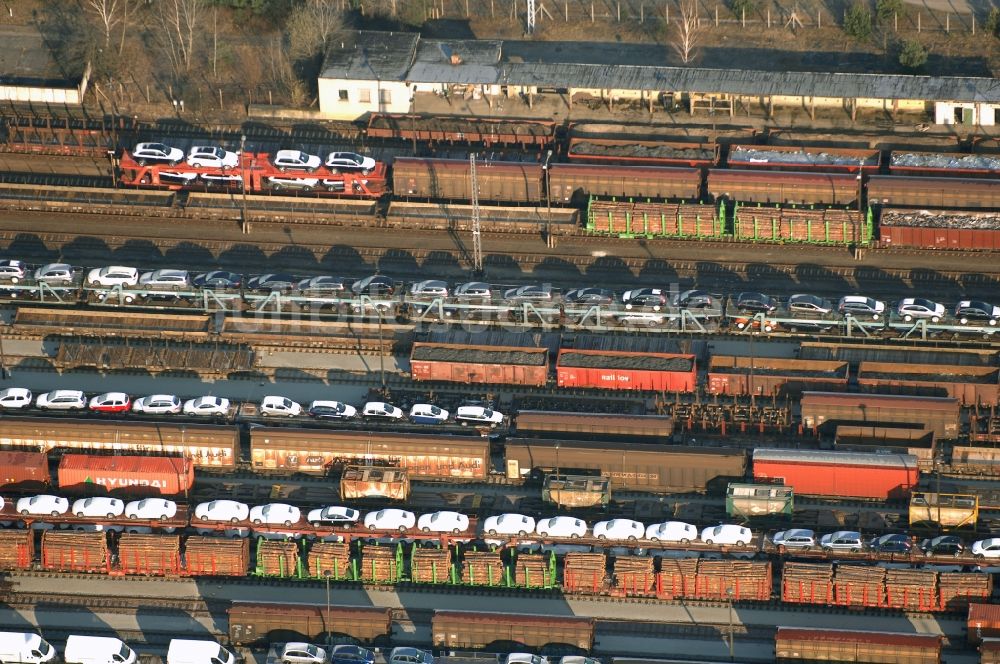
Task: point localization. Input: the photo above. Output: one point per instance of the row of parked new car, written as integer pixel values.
(803, 539)
(214, 156)
(20, 398)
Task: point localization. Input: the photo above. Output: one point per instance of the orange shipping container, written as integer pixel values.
(132, 475)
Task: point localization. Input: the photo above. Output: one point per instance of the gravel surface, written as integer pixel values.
(478, 355)
(641, 362)
(745, 155)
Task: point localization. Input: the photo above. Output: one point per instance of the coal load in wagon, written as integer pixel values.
(911, 589)
(149, 555)
(986, 379)
(430, 565)
(807, 583)
(986, 221)
(482, 568)
(329, 559)
(476, 355)
(585, 573)
(17, 548)
(531, 570)
(277, 558)
(216, 556)
(74, 552)
(641, 362)
(634, 575)
(380, 564)
(643, 151)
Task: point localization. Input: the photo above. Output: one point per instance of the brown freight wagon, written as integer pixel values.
(487, 631)
(494, 365)
(970, 385)
(630, 466)
(813, 645)
(642, 153)
(577, 182)
(989, 651)
(975, 459)
(826, 410)
(940, 229)
(439, 129)
(620, 370)
(767, 376)
(126, 475)
(256, 623)
(953, 193)
(423, 456)
(917, 441)
(358, 482)
(207, 445)
(24, 471)
(449, 179)
(783, 187)
(804, 158)
(560, 424)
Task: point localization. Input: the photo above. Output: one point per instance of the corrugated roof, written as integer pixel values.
(395, 56)
(836, 458)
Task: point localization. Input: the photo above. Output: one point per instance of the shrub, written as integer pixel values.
(912, 55)
(858, 21)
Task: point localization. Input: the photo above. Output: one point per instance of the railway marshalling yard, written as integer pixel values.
(694, 601)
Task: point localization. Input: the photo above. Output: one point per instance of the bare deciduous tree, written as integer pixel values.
(687, 31)
(109, 14)
(312, 26)
(181, 25)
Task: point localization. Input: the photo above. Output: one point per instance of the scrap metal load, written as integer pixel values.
(942, 163)
(940, 229)
(642, 153)
(777, 157)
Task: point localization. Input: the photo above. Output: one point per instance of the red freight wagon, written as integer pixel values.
(617, 370)
(25, 471)
(133, 475)
(841, 474)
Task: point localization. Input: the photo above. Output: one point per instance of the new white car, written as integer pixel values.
(281, 406)
(727, 533)
(43, 505)
(561, 526)
(278, 182)
(158, 404)
(672, 531)
(390, 519)
(443, 522)
(15, 397)
(222, 510)
(619, 529)
(334, 515)
(165, 279)
(918, 307)
(302, 653)
(525, 658)
(62, 400)
(331, 410)
(151, 508)
(296, 160)
(349, 161)
(99, 506)
(509, 524)
(987, 548)
(157, 153)
(113, 275)
(426, 413)
(478, 416)
(429, 288)
(794, 538)
(381, 410)
(55, 273)
(208, 405)
(11, 270)
(275, 514)
(211, 156)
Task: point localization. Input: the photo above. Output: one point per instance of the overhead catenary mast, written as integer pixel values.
(477, 243)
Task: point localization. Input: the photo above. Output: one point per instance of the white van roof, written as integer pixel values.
(185, 650)
(19, 640)
(88, 648)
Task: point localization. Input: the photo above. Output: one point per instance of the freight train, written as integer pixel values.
(586, 567)
(500, 305)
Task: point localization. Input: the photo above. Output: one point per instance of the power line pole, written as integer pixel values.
(531, 16)
(477, 242)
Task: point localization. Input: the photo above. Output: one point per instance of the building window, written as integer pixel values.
(365, 96)
(385, 96)
(342, 94)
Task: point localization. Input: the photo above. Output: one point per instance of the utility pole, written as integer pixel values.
(243, 185)
(531, 16)
(477, 241)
